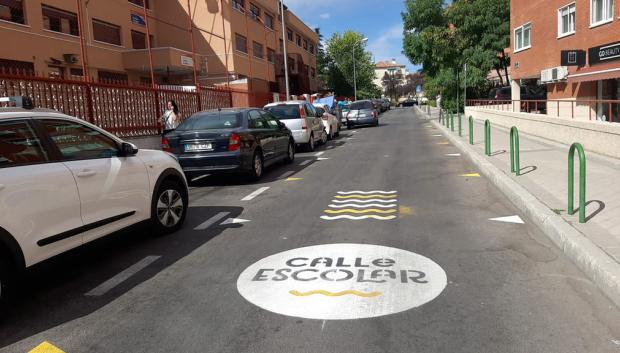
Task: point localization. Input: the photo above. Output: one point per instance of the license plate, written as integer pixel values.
(198, 147)
(362, 116)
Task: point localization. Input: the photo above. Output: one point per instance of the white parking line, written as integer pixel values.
(319, 153)
(209, 222)
(286, 174)
(306, 162)
(106, 286)
(255, 193)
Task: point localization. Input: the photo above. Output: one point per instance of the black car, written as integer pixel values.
(230, 140)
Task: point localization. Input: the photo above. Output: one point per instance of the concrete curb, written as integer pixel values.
(593, 261)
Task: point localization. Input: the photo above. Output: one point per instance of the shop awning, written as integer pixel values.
(594, 75)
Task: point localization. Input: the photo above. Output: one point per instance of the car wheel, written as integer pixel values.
(7, 285)
(324, 138)
(338, 131)
(257, 166)
(290, 153)
(310, 144)
(169, 207)
(331, 133)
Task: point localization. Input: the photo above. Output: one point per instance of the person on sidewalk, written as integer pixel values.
(171, 117)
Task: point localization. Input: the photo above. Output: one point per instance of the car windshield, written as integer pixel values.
(212, 121)
(361, 105)
(285, 111)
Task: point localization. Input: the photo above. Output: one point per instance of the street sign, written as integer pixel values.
(573, 58)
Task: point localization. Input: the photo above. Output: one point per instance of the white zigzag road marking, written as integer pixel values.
(365, 201)
(357, 218)
(362, 206)
(366, 192)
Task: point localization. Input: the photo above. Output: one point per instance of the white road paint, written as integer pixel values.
(108, 285)
(211, 221)
(319, 153)
(255, 193)
(437, 135)
(509, 219)
(342, 281)
(286, 174)
(234, 221)
(306, 162)
(322, 159)
(365, 200)
(355, 205)
(351, 138)
(366, 192)
(453, 155)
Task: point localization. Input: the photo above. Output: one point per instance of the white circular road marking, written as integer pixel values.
(342, 281)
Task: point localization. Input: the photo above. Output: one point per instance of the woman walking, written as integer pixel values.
(171, 117)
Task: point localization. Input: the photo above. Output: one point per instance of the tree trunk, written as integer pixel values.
(499, 74)
(504, 60)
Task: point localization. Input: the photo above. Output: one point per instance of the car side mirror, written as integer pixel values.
(128, 149)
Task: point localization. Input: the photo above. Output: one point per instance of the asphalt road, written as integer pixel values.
(508, 289)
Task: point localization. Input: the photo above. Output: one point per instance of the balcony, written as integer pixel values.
(166, 60)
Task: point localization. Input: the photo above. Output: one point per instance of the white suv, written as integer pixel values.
(303, 121)
(64, 182)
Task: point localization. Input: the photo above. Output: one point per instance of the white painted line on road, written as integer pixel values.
(234, 221)
(366, 200)
(509, 219)
(106, 286)
(319, 153)
(211, 221)
(366, 192)
(453, 155)
(437, 135)
(255, 193)
(286, 174)
(306, 162)
(322, 159)
(351, 138)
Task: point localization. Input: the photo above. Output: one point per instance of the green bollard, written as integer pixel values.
(460, 125)
(487, 137)
(515, 165)
(471, 130)
(582, 181)
(452, 122)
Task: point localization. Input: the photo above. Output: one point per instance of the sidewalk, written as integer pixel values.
(593, 246)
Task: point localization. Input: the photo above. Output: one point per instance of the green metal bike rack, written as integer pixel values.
(460, 125)
(452, 122)
(487, 137)
(515, 165)
(471, 130)
(440, 115)
(582, 181)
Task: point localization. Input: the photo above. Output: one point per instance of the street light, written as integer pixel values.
(284, 39)
(354, 73)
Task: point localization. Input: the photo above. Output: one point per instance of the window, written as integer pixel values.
(76, 72)
(291, 64)
(256, 121)
(211, 121)
(566, 20)
(55, 71)
(311, 48)
(19, 145)
(289, 34)
(15, 66)
(305, 44)
(271, 55)
(59, 21)
(523, 37)
(241, 43)
(13, 11)
(254, 11)
(269, 21)
(76, 141)
(140, 3)
(270, 119)
(239, 5)
(601, 11)
(257, 50)
(298, 40)
(138, 40)
(106, 32)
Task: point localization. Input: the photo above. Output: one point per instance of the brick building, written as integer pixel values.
(573, 48)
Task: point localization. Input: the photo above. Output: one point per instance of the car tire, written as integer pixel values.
(290, 153)
(324, 137)
(7, 286)
(338, 131)
(258, 166)
(331, 134)
(310, 145)
(169, 207)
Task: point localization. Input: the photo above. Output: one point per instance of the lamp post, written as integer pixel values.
(354, 71)
(284, 39)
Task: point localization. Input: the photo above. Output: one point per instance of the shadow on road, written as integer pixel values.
(528, 169)
(599, 209)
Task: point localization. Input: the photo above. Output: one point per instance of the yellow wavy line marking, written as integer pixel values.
(350, 210)
(374, 196)
(336, 294)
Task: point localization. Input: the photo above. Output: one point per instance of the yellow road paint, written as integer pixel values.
(335, 294)
(443, 143)
(366, 196)
(46, 347)
(350, 210)
(472, 175)
(294, 179)
(406, 211)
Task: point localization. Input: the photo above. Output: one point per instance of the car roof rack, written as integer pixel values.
(24, 102)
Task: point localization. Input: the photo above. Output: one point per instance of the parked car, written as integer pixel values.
(65, 182)
(301, 118)
(386, 104)
(379, 107)
(362, 113)
(330, 122)
(408, 102)
(230, 141)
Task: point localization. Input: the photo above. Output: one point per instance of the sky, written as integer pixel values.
(379, 20)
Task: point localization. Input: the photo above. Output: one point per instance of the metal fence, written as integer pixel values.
(123, 109)
(603, 110)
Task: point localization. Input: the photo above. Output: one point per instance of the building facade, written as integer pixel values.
(573, 48)
(236, 42)
(390, 68)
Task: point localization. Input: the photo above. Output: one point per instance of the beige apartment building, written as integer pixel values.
(236, 42)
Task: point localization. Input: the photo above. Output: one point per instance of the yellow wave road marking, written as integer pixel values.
(46, 347)
(294, 179)
(336, 294)
(471, 175)
(350, 210)
(366, 196)
(357, 218)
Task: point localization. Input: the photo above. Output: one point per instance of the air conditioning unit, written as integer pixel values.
(554, 74)
(70, 58)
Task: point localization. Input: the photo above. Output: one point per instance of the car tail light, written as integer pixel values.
(374, 114)
(234, 143)
(165, 144)
(302, 112)
(304, 124)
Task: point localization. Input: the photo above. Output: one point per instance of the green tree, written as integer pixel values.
(322, 62)
(339, 56)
